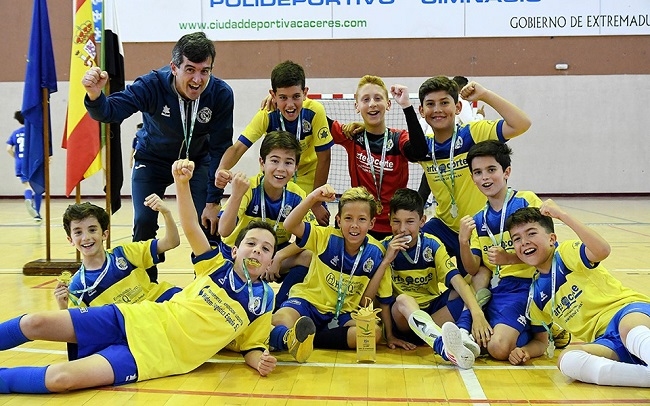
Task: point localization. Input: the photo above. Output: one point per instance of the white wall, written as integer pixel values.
(588, 133)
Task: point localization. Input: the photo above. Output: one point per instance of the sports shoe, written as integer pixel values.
(483, 296)
(420, 323)
(454, 348)
(469, 343)
(561, 337)
(37, 219)
(300, 339)
(29, 204)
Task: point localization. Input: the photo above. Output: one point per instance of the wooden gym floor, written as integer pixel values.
(330, 377)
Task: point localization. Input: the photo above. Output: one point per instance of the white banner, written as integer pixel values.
(232, 20)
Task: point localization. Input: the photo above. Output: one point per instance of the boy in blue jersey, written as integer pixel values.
(344, 269)
(226, 306)
(305, 118)
(444, 152)
(16, 148)
(117, 275)
(418, 263)
(271, 196)
(576, 292)
(487, 252)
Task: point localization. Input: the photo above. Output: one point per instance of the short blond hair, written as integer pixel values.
(371, 80)
(359, 194)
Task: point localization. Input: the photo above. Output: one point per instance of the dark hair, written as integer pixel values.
(196, 47)
(287, 74)
(18, 115)
(437, 83)
(496, 149)
(407, 199)
(253, 225)
(527, 215)
(461, 81)
(81, 211)
(280, 140)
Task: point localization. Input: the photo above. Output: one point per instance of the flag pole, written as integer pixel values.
(46, 168)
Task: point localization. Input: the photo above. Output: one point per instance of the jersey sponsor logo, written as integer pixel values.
(568, 301)
(139, 166)
(459, 143)
(368, 265)
(166, 111)
(410, 280)
(351, 287)
(225, 309)
(121, 263)
(458, 164)
(204, 115)
(376, 162)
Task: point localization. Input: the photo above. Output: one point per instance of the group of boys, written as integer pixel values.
(275, 229)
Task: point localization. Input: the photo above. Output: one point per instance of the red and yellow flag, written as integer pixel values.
(81, 135)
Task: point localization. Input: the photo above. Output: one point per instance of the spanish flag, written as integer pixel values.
(81, 135)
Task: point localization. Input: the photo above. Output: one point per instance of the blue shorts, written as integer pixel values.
(307, 309)
(449, 238)
(100, 330)
(508, 303)
(612, 338)
(435, 305)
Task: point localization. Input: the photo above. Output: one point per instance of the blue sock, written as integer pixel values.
(23, 380)
(438, 348)
(37, 203)
(277, 338)
(29, 194)
(296, 275)
(456, 307)
(465, 320)
(11, 335)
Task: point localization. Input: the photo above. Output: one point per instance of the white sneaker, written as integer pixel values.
(29, 204)
(469, 343)
(420, 326)
(454, 349)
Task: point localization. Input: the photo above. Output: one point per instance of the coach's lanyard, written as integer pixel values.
(298, 126)
(342, 292)
(187, 137)
(501, 230)
(550, 349)
(263, 203)
(82, 278)
(417, 252)
(452, 185)
(371, 162)
(253, 301)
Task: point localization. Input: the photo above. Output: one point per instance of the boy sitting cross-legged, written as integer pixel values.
(418, 263)
(343, 270)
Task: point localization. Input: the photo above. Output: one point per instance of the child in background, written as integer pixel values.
(300, 116)
(16, 148)
(343, 271)
(377, 156)
(419, 263)
(575, 291)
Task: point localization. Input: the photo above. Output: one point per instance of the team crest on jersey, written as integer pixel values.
(306, 126)
(286, 210)
(121, 263)
(204, 115)
(390, 144)
(368, 265)
(166, 112)
(323, 133)
(427, 254)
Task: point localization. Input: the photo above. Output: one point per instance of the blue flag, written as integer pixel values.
(40, 74)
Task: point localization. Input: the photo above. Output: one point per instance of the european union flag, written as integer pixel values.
(41, 74)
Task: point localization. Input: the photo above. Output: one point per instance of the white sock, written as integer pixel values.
(589, 368)
(638, 343)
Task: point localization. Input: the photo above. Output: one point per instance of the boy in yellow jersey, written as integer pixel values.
(576, 292)
(418, 264)
(270, 196)
(343, 271)
(487, 252)
(443, 153)
(117, 275)
(226, 306)
(300, 116)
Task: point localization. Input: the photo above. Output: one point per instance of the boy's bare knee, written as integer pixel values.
(58, 379)
(499, 349)
(32, 325)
